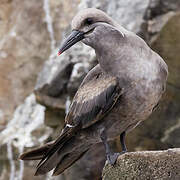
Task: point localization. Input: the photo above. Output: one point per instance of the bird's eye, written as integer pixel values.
(88, 21)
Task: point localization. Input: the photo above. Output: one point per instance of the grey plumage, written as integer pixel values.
(115, 96)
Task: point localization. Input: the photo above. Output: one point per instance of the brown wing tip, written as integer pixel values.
(37, 173)
(58, 170)
(40, 171)
(28, 156)
(21, 157)
(55, 173)
(37, 153)
(24, 156)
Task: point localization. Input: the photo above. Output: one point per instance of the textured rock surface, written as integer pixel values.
(22, 51)
(156, 165)
(26, 41)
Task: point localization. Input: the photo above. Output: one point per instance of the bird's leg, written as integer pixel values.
(111, 156)
(122, 140)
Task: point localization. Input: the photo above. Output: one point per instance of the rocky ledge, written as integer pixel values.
(152, 165)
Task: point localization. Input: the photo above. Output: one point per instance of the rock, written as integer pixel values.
(27, 36)
(22, 51)
(61, 13)
(54, 118)
(156, 16)
(159, 7)
(156, 24)
(154, 165)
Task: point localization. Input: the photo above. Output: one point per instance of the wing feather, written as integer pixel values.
(93, 99)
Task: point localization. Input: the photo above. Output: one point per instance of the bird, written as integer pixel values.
(116, 95)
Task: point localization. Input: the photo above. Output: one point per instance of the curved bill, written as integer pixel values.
(72, 39)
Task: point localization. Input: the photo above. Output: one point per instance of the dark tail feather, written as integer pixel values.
(67, 161)
(60, 154)
(37, 153)
(54, 155)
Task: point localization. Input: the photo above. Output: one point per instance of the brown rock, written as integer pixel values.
(24, 45)
(62, 13)
(152, 165)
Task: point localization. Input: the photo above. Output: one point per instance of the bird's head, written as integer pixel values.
(84, 27)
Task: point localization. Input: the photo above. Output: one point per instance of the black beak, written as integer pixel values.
(72, 39)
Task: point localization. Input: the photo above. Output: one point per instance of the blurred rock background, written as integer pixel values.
(31, 74)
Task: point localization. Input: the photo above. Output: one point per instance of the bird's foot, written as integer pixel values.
(111, 158)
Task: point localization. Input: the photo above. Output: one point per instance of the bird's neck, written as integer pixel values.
(107, 62)
(109, 50)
